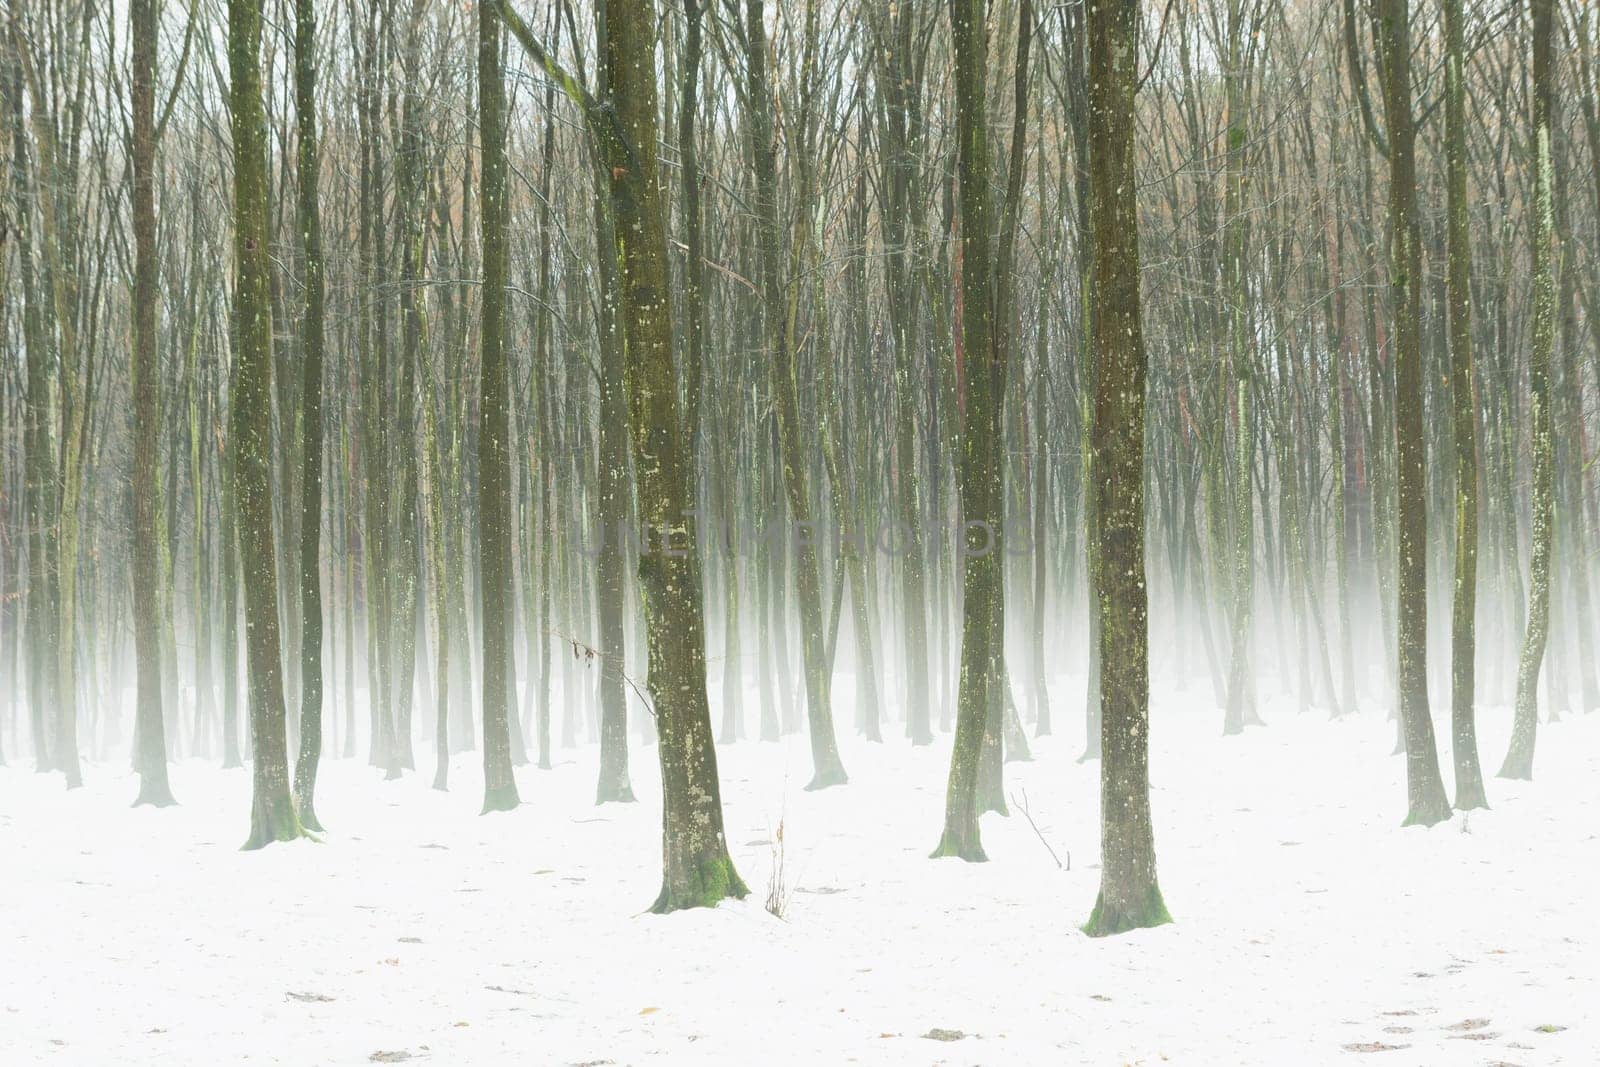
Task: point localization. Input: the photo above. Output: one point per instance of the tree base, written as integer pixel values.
(274, 821)
(155, 794)
(1106, 920)
(1431, 812)
(308, 817)
(1517, 767)
(504, 798)
(1472, 799)
(827, 777)
(1518, 763)
(710, 881)
(832, 773)
(615, 793)
(961, 843)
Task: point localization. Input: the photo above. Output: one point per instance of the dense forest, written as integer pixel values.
(388, 380)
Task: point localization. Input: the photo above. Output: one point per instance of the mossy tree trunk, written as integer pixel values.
(272, 813)
(307, 164)
(1129, 894)
(494, 488)
(610, 563)
(405, 559)
(979, 407)
(151, 756)
(1235, 299)
(986, 332)
(1519, 758)
(1077, 79)
(900, 83)
(1463, 386)
(1427, 803)
(697, 871)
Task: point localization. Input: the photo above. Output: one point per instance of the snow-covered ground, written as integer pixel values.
(1310, 928)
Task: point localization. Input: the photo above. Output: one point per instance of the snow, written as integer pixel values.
(1309, 924)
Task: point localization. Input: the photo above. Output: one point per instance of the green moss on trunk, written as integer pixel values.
(702, 884)
(1110, 918)
(960, 840)
(272, 818)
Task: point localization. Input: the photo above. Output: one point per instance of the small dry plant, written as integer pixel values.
(778, 892)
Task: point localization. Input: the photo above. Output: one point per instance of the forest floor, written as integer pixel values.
(1310, 928)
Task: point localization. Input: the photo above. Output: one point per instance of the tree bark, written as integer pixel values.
(1425, 788)
(494, 489)
(272, 812)
(151, 758)
(1129, 894)
(1519, 758)
(307, 164)
(697, 870)
(1463, 387)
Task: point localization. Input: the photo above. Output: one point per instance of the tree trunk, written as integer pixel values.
(1425, 788)
(494, 488)
(152, 748)
(697, 870)
(1519, 759)
(1129, 894)
(272, 813)
(307, 166)
(1463, 385)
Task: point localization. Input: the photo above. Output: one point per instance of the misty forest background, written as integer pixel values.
(340, 341)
